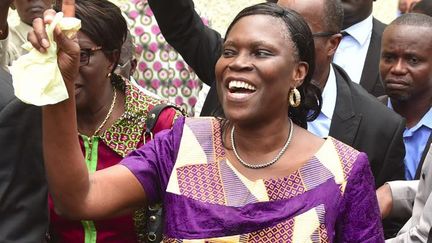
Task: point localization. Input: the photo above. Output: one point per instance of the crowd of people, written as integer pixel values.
(317, 126)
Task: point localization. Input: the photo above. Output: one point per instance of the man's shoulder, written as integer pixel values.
(6, 89)
(363, 102)
(378, 26)
(369, 104)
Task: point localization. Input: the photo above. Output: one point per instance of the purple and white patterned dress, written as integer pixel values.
(331, 198)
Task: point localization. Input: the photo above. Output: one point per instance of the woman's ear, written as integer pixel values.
(133, 63)
(114, 59)
(300, 72)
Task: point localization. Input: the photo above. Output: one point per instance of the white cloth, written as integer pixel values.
(36, 77)
(352, 50)
(417, 228)
(321, 125)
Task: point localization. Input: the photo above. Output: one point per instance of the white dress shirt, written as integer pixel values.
(352, 50)
(321, 125)
(10, 47)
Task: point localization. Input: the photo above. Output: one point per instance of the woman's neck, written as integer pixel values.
(90, 118)
(259, 143)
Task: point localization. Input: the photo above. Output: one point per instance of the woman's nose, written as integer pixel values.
(241, 62)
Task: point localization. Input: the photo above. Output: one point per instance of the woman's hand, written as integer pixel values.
(68, 50)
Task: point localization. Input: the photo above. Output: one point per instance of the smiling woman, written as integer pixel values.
(253, 176)
(111, 115)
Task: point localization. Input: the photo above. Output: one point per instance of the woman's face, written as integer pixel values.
(93, 77)
(257, 69)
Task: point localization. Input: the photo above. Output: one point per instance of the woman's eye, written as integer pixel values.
(228, 53)
(263, 53)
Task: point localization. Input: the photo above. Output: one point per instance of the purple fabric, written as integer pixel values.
(191, 219)
(351, 217)
(153, 162)
(359, 217)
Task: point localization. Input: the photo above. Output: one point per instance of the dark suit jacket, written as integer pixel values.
(359, 120)
(364, 123)
(23, 190)
(371, 78)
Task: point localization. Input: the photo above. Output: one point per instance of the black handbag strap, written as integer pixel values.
(154, 225)
(153, 116)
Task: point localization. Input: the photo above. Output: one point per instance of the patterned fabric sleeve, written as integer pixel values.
(153, 162)
(359, 217)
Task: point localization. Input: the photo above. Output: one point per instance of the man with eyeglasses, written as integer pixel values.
(348, 112)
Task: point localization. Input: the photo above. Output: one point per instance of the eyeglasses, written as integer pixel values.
(86, 53)
(323, 34)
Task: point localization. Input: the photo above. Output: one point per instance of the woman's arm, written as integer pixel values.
(359, 217)
(76, 193)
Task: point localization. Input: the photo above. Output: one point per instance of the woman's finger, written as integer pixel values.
(68, 8)
(31, 37)
(40, 34)
(49, 16)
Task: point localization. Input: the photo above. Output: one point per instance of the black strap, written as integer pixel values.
(153, 116)
(425, 151)
(430, 236)
(154, 225)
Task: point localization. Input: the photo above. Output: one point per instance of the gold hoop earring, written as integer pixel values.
(294, 97)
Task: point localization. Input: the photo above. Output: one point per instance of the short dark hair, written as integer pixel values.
(424, 7)
(333, 15)
(302, 41)
(413, 19)
(103, 23)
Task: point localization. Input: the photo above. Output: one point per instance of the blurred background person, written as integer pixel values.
(423, 7)
(359, 51)
(23, 187)
(13, 36)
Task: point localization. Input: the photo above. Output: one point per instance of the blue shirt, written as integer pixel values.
(415, 139)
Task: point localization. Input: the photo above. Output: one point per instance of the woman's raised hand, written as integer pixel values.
(68, 50)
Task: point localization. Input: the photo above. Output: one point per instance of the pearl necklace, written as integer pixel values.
(262, 164)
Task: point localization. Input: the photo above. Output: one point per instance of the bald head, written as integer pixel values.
(326, 13)
(324, 18)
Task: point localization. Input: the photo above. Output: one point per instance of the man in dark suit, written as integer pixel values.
(359, 50)
(349, 113)
(358, 120)
(23, 190)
